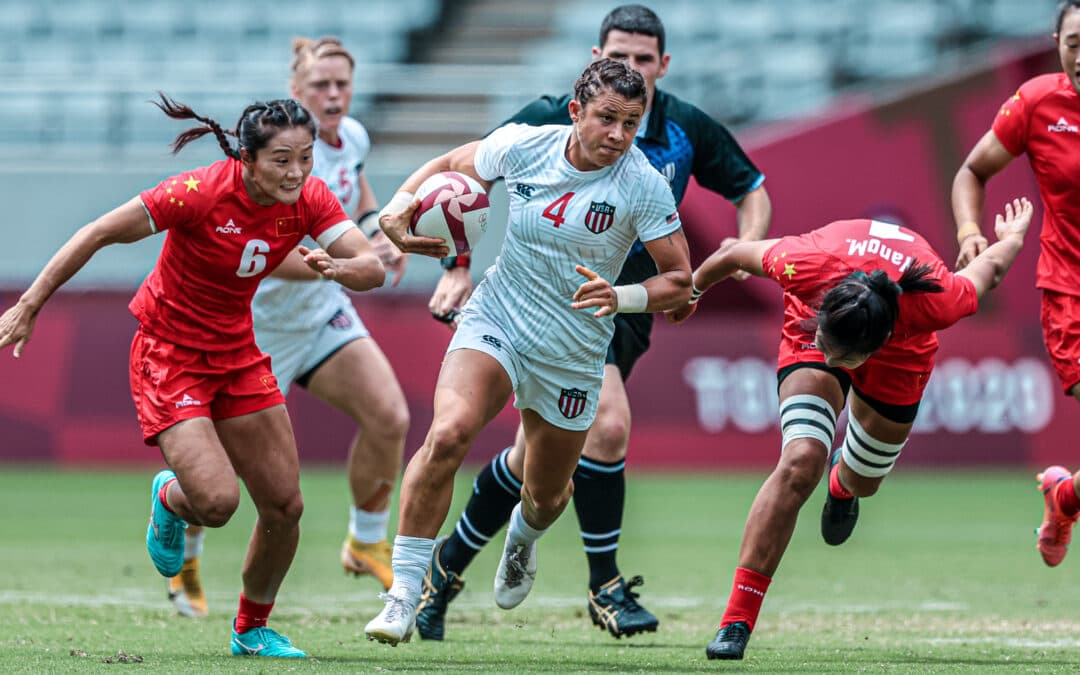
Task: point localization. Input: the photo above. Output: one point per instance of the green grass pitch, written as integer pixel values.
(941, 575)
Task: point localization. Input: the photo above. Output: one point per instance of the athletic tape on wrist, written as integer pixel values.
(632, 298)
(398, 203)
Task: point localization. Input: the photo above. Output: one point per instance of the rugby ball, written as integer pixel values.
(453, 207)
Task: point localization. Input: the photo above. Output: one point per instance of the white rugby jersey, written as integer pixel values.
(282, 304)
(561, 217)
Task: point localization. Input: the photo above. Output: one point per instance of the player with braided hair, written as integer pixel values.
(862, 303)
(315, 337)
(203, 390)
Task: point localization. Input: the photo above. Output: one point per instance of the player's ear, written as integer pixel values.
(575, 110)
(246, 157)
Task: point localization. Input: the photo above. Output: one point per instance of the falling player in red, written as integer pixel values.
(202, 389)
(1043, 120)
(862, 303)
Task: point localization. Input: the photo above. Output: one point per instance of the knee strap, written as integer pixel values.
(866, 455)
(807, 416)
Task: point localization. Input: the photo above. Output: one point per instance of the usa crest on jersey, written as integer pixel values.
(572, 402)
(600, 217)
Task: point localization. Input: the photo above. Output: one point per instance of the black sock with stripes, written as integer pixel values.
(599, 494)
(496, 492)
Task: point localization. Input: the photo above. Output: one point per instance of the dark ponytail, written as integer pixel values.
(179, 111)
(859, 313)
(258, 123)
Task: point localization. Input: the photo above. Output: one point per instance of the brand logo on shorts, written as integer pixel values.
(228, 228)
(187, 402)
(600, 217)
(492, 340)
(524, 190)
(572, 402)
(340, 320)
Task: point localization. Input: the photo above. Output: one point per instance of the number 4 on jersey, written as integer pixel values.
(557, 208)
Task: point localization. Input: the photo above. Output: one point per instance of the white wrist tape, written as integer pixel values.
(632, 298)
(397, 204)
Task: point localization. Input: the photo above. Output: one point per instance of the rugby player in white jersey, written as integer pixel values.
(539, 323)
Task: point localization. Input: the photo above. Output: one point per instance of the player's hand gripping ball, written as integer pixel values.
(453, 207)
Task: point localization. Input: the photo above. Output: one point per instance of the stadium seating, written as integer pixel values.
(78, 72)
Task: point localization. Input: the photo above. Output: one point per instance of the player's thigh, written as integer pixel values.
(196, 454)
(358, 380)
(551, 454)
(472, 388)
(262, 449)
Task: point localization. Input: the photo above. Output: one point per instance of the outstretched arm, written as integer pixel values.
(726, 261)
(989, 267)
(124, 224)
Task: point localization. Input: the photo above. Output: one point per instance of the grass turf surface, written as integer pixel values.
(941, 575)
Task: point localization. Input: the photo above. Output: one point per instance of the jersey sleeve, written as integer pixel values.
(494, 152)
(720, 163)
(177, 201)
(544, 110)
(937, 311)
(1011, 123)
(326, 219)
(656, 215)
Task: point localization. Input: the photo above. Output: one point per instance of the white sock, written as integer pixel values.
(193, 544)
(520, 532)
(411, 559)
(368, 527)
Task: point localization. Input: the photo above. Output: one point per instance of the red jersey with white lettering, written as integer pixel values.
(1043, 120)
(808, 265)
(220, 243)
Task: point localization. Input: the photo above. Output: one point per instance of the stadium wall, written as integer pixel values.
(705, 395)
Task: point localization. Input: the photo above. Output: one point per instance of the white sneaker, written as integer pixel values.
(516, 574)
(394, 624)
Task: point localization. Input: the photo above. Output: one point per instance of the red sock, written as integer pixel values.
(161, 495)
(835, 488)
(747, 592)
(1065, 495)
(251, 615)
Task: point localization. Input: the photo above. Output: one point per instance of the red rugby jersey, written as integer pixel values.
(1043, 120)
(808, 265)
(219, 245)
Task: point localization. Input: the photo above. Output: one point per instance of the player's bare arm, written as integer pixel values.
(988, 268)
(350, 260)
(396, 216)
(733, 257)
(754, 213)
(668, 289)
(123, 225)
(986, 159)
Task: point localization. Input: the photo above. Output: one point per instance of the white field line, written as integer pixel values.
(154, 598)
(1026, 643)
